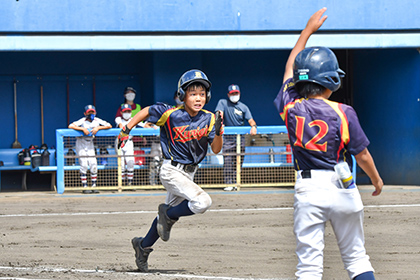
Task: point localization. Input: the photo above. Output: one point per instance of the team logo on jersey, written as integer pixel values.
(183, 135)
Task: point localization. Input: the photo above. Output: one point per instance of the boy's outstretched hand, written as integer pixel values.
(316, 21)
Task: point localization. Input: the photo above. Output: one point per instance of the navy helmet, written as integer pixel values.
(318, 65)
(193, 76)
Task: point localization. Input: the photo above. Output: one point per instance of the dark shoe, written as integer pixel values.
(86, 191)
(142, 254)
(95, 191)
(164, 224)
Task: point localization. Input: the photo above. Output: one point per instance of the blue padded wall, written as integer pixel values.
(387, 99)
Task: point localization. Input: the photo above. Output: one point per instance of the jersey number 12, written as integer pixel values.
(312, 144)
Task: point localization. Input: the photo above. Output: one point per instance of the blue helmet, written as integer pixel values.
(193, 76)
(318, 65)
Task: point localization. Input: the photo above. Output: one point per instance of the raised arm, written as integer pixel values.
(139, 117)
(314, 23)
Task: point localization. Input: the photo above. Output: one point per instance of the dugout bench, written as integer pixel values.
(10, 160)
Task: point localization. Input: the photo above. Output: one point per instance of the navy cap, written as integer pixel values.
(233, 88)
(129, 89)
(89, 108)
(125, 107)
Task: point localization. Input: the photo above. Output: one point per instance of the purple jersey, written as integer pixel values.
(321, 132)
(183, 138)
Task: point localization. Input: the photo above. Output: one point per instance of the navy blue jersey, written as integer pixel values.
(234, 114)
(321, 132)
(183, 138)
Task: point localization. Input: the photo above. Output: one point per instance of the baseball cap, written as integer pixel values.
(233, 88)
(129, 89)
(125, 107)
(89, 108)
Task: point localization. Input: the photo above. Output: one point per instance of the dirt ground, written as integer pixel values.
(246, 234)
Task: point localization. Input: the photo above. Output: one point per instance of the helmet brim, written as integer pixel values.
(205, 83)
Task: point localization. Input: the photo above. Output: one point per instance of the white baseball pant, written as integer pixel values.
(127, 161)
(86, 148)
(180, 186)
(318, 200)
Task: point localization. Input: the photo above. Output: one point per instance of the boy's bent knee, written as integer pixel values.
(94, 169)
(200, 204)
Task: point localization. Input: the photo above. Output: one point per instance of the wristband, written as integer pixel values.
(126, 130)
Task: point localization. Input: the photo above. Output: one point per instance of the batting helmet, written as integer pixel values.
(318, 65)
(193, 76)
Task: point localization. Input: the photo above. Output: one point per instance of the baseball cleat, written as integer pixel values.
(142, 254)
(164, 223)
(230, 189)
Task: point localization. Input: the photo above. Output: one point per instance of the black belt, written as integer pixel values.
(186, 167)
(306, 174)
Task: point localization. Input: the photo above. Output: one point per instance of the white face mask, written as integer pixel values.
(130, 96)
(234, 98)
(126, 116)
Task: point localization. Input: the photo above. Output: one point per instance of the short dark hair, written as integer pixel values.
(307, 89)
(196, 85)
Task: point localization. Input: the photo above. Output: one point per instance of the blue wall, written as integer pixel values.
(387, 99)
(154, 74)
(190, 15)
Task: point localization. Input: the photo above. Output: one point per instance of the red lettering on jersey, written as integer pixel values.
(183, 135)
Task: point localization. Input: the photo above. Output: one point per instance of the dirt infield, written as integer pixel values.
(246, 234)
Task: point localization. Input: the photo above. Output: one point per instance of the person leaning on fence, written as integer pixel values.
(89, 125)
(235, 113)
(325, 135)
(185, 134)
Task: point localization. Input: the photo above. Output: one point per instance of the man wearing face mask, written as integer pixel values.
(89, 125)
(235, 113)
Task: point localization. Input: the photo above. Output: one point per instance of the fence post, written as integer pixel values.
(60, 160)
(238, 160)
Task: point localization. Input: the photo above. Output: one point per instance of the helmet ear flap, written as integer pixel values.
(208, 96)
(181, 94)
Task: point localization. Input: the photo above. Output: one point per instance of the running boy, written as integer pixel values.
(185, 133)
(324, 133)
(89, 125)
